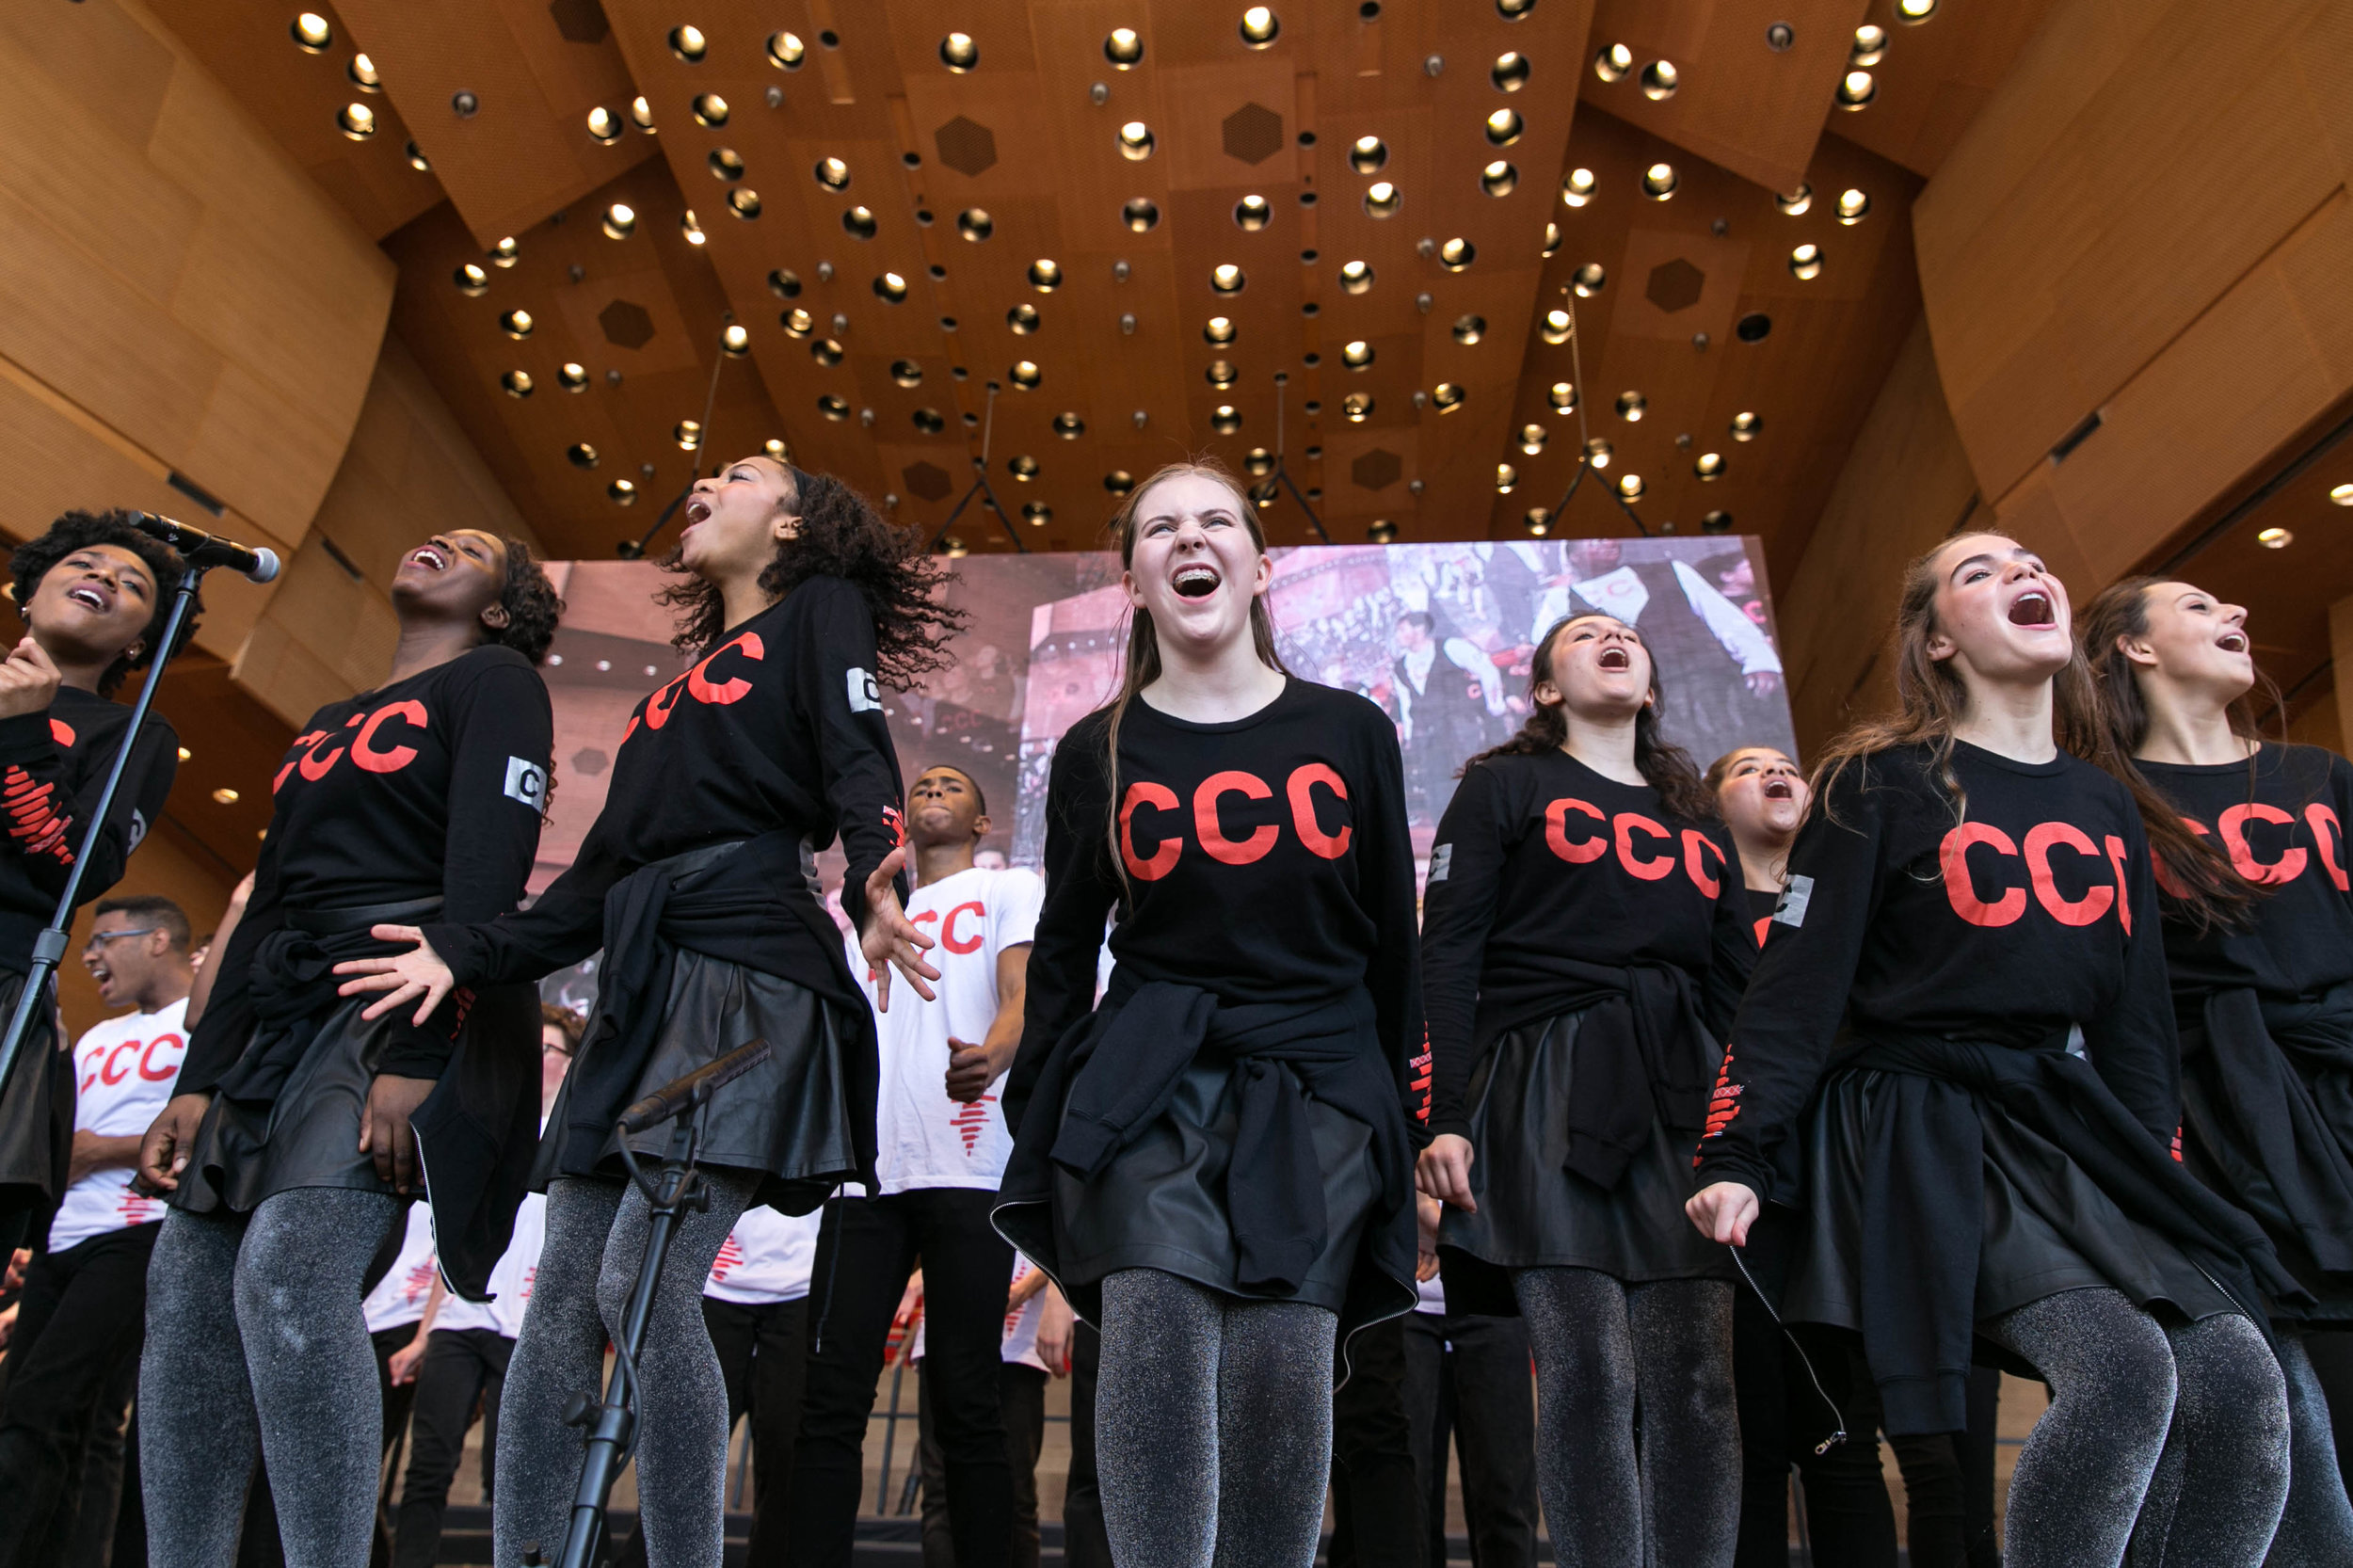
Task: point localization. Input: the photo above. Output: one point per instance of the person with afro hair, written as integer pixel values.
(294, 1142)
(93, 593)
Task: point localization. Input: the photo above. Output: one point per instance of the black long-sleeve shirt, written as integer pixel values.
(52, 766)
(780, 726)
(1541, 862)
(2033, 912)
(2282, 824)
(430, 787)
(1268, 860)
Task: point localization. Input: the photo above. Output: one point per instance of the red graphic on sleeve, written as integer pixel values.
(1418, 1085)
(33, 819)
(1724, 1105)
(730, 1258)
(61, 732)
(969, 1119)
(896, 821)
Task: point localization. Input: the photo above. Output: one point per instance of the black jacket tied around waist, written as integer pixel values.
(1111, 1077)
(1924, 1205)
(2277, 1078)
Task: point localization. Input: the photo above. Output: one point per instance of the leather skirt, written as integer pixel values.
(2048, 1226)
(1161, 1202)
(2210, 1152)
(37, 1111)
(788, 1119)
(1534, 1212)
(308, 1136)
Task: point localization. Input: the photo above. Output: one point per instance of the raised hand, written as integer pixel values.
(889, 939)
(417, 973)
(28, 680)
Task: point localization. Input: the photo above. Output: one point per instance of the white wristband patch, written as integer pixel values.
(865, 696)
(527, 782)
(1441, 862)
(1794, 898)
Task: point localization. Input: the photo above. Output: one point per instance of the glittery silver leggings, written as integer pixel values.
(1610, 1356)
(596, 1242)
(2316, 1530)
(2171, 1440)
(256, 1344)
(1212, 1425)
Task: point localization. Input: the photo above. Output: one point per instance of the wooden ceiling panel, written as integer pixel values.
(297, 95)
(646, 310)
(1935, 76)
(1670, 276)
(1736, 100)
(534, 71)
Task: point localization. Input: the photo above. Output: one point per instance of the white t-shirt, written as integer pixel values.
(1021, 1324)
(511, 1277)
(767, 1257)
(124, 1070)
(924, 1139)
(1431, 1292)
(399, 1296)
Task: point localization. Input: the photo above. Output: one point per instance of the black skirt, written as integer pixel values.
(1533, 1211)
(308, 1136)
(37, 1109)
(1161, 1202)
(787, 1120)
(2211, 1153)
(2048, 1226)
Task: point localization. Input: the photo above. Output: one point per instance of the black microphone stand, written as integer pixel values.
(979, 486)
(673, 1191)
(1281, 476)
(49, 948)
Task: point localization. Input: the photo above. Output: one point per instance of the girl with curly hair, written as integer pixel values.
(1955, 1079)
(93, 593)
(1587, 935)
(800, 603)
(298, 1129)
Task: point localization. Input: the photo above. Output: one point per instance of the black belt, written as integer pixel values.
(325, 923)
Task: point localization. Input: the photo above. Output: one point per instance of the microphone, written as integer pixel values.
(200, 548)
(686, 1094)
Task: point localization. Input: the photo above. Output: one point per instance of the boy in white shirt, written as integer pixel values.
(941, 1150)
(86, 1298)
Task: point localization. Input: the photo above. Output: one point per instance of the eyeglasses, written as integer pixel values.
(100, 939)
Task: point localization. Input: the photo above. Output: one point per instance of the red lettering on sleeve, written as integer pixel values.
(1953, 858)
(1304, 779)
(1556, 835)
(1233, 851)
(2040, 839)
(1161, 798)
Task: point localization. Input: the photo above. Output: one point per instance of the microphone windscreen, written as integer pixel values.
(264, 565)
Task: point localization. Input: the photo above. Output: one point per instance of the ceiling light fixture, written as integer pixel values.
(1794, 204)
(1578, 188)
(1045, 276)
(1589, 279)
(605, 126)
(1856, 88)
(358, 120)
(688, 44)
(1746, 425)
(1613, 62)
(1124, 48)
(1510, 71)
(2275, 539)
(958, 53)
(1382, 200)
(1456, 254)
(1659, 80)
(1253, 213)
(1260, 27)
(1558, 326)
(1805, 262)
(312, 33)
(1659, 182)
(1499, 178)
(786, 51)
(1504, 127)
(1135, 141)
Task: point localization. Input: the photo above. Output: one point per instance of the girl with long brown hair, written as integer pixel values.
(800, 603)
(1587, 939)
(1954, 1076)
(2262, 975)
(1214, 1162)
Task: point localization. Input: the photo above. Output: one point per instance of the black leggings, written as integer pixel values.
(1607, 1352)
(1212, 1425)
(595, 1243)
(2173, 1441)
